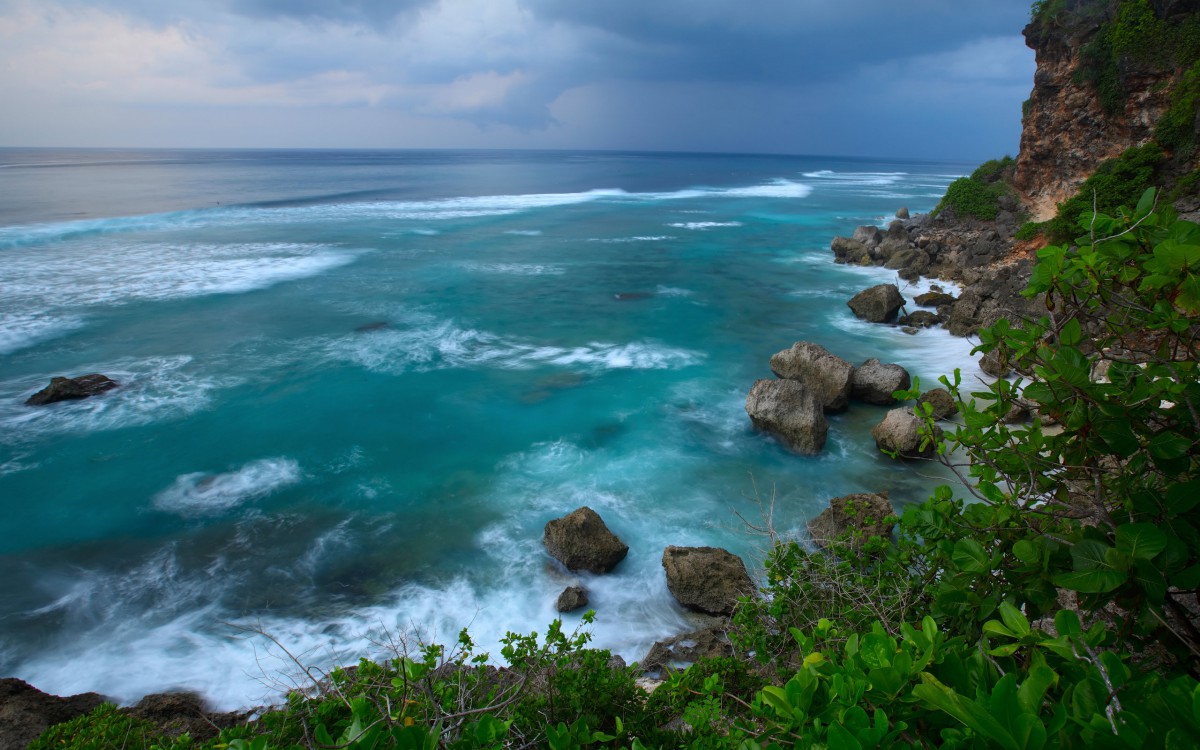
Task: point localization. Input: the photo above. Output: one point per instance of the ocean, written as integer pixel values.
(355, 385)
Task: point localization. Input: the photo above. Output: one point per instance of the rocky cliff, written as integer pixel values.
(1107, 73)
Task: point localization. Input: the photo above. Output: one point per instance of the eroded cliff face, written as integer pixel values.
(1066, 131)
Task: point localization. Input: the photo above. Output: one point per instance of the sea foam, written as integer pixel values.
(201, 493)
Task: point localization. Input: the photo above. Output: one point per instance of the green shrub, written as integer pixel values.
(107, 728)
(1176, 129)
(1028, 231)
(1116, 182)
(978, 196)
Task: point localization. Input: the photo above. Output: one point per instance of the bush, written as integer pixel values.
(1116, 182)
(978, 196)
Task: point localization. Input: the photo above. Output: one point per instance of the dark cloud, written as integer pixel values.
(374, 12)
(776, 40)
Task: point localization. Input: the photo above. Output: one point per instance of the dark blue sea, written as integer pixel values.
(355, 385)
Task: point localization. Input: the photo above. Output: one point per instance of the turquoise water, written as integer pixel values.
(355, 386)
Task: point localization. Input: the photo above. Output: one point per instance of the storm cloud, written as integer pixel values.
(926, 78)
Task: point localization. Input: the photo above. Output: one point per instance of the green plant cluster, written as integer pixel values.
(1116, 182)
(978, 196)
(1052, 607)
(1133, 34)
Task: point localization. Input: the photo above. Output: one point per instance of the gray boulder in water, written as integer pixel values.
(789, 411)
(878, 304)
(827, 375)
(706, 579)
(875, 382)
(900, 433)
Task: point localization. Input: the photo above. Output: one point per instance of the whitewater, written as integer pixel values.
(355, 385)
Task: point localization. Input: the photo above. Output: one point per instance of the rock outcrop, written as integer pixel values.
(789, 411)
(940, 400)
(571, 599)
(874, 382)
(688, 648)
(900, 432)
(827, 375)
(706, 579)
(855, 518)
(72, 389)
(581, 541)
(26, 712)
(878, 304)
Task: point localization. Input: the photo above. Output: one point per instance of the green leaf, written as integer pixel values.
(1026, 551)
(1066, 622)
(965, 710)
(840, 739)
(1071, 333)
(970, 556)
(1168, 445)
(1145, 204)
(1033, 690)
(1141, 540)
(1094, 572)
(1014, 619)
(1184, 496)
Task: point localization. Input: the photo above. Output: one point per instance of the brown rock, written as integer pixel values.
(706, 579)
(581, 541)
(879, 304)
(900, 432)
(26, 712)
(941, 401)
(688, 648)
(857, 517)
(71, 389)
(571, 599)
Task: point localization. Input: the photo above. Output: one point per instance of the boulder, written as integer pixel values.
(846, 250)
(900, 432)
(860, 516)
(941, 401)
(71, 389)
(706, 579)
(790, 412)
(183, 713)
(571, 599)
(688, 648)
(868, 235)
(909, 258)
(26, 712)
(919, 319)
(995, 363)
(902, 213)
(890, 247)
(825, 374)
(874, 382)
(581, 541)
(879, 304)
(934, 299)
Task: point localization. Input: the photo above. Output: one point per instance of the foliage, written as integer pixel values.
(107, 728)
(1176, 129)
(1116, 182)
(1028, 231)
(1133, 35)
(978, 196)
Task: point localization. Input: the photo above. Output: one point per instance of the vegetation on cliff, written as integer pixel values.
(978, 196)
(1052, 607)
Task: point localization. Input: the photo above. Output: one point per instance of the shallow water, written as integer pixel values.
(355, 386)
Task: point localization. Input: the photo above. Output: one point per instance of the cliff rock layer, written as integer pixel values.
(1096, 92)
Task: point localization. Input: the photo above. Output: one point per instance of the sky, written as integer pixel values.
(930, 79)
